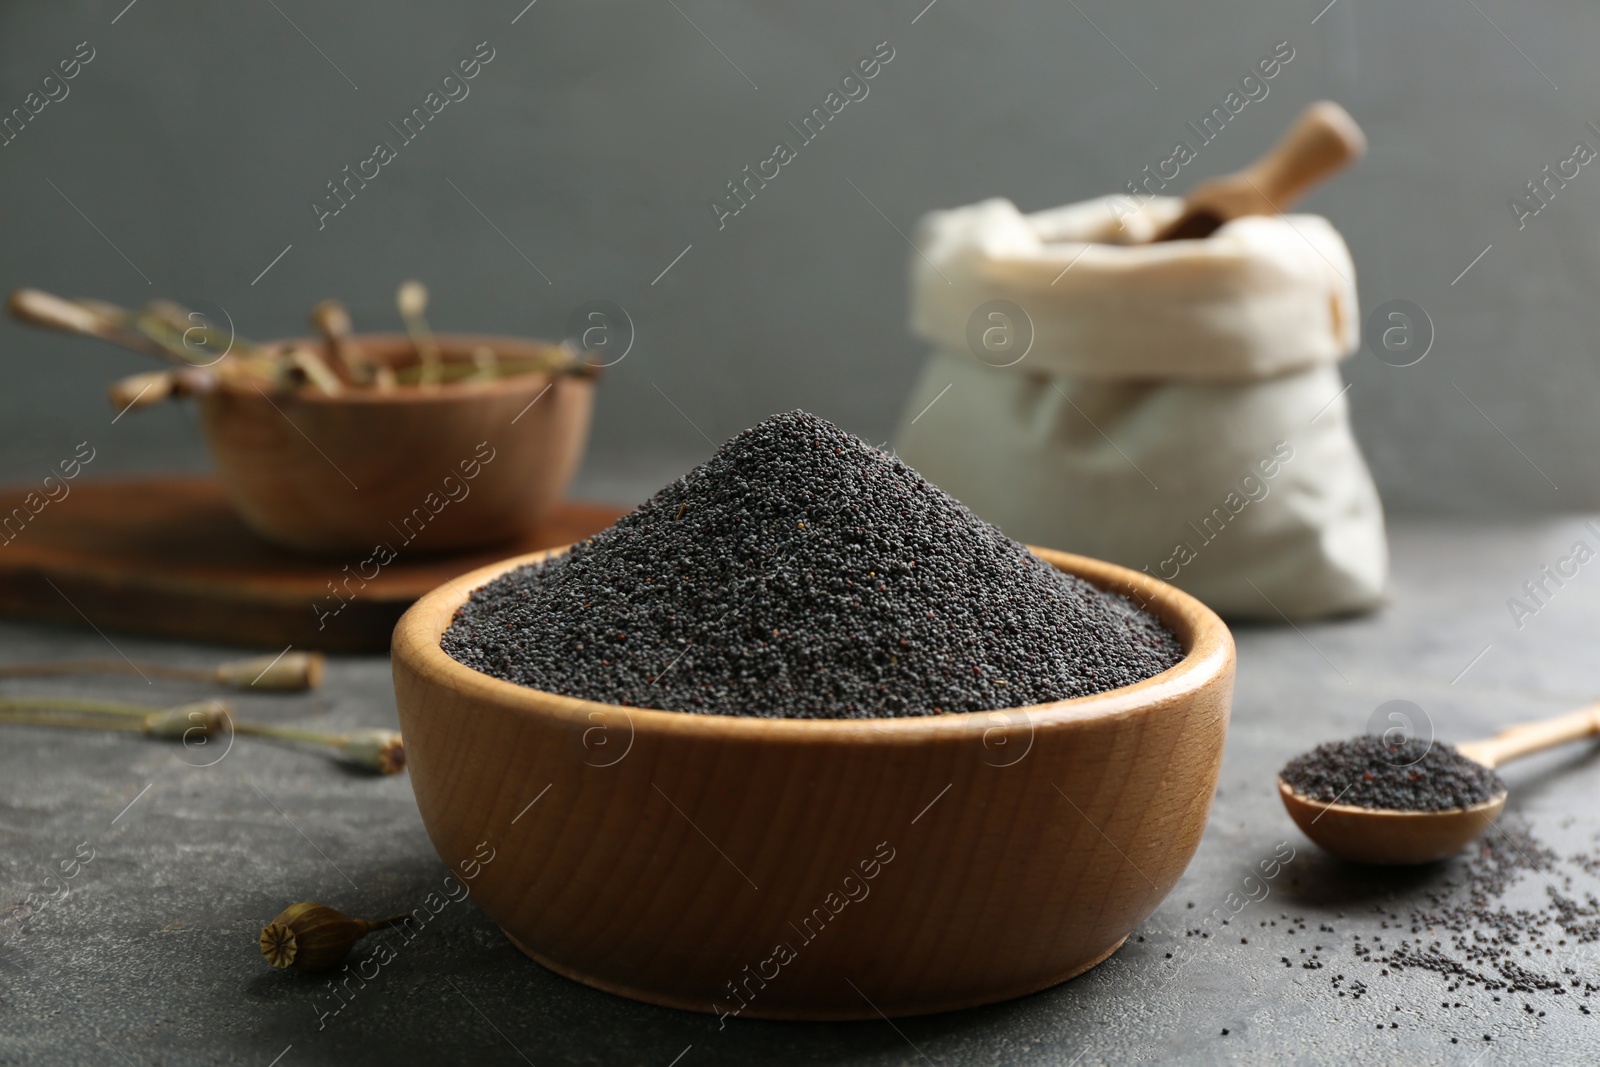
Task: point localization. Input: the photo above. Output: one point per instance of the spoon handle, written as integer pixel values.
(1322, 140)
(1517, 741)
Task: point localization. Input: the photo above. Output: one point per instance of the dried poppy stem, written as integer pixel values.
(377, 750)
(486, 365)
(332, 321)
(290, 672)
(67, 704)
(178, 723)
(153, 387)
(48, 668)
(168, 332)
(171, 326)
(66, 719)
(557, 361)
(412, 300)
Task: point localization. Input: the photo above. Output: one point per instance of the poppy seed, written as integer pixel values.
(802, 573)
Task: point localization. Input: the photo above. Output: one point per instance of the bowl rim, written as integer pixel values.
(1209, 654)
(444, 392)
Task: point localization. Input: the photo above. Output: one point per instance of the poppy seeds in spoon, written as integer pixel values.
(1369, 772)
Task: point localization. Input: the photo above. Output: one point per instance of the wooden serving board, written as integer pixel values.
(168, 556)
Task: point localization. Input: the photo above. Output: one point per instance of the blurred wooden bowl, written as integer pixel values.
(810, 869)
(346, 473)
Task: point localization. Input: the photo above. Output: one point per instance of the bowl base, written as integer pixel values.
(804, 1013)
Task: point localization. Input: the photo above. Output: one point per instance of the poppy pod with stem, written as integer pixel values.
(314, 937)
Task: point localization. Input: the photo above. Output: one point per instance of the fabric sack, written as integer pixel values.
(1172, 407)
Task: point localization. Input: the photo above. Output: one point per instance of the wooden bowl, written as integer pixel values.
(812, 869)
(346, 473)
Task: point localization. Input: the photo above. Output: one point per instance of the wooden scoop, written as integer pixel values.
(1322, 141)
(1380, 835)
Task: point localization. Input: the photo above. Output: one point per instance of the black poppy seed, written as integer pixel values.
(1473, 940)
(1369, 772)
(759, 606)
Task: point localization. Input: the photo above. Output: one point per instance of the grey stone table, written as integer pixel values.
(150, 956)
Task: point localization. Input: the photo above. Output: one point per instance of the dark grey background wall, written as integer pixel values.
(188, 152)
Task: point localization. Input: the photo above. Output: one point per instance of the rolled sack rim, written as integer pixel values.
(1263, 296)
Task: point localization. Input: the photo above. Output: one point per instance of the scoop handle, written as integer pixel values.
(1322, 141)
(1524, 740)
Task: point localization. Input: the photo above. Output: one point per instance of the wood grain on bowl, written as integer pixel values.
(818, 869)
(324, 473)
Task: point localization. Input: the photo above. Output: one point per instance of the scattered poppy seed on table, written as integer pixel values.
(1462, 930)
(802, 573)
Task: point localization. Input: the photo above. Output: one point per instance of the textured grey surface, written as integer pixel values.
(197, 138)
(150, 958)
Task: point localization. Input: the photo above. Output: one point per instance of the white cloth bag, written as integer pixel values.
(1172, 407)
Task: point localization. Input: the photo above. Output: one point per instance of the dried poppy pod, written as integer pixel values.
(184, 722)
(377, 750)
(314, 937)
(290, 672)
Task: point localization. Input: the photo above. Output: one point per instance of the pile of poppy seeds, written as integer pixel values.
(1371, 772)
(801, 573)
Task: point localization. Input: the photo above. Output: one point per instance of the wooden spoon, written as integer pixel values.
(1381, 835)
(1322, 141)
